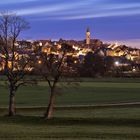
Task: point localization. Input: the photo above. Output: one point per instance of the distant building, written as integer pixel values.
(87, 36)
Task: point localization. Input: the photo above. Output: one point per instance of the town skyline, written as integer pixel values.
(109, 21)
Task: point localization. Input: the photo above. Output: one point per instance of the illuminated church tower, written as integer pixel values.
(88, 36)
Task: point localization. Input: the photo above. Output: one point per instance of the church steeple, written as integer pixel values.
(88, 36)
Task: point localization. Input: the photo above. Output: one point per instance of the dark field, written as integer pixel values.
(76, 118)
(86, 124)
(78, 93)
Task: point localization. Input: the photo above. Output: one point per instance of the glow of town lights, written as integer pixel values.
(39, 62)
(45, 50)
(134, 69)
(117, 63)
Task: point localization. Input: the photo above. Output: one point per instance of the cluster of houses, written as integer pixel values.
(80, 49)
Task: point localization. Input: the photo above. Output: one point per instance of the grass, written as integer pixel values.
(86, 124)
(79, 123)
(86, 93)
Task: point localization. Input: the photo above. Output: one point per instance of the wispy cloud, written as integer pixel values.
(82, 10)
(105, 10)
(117, 6)
(100, 14)
(15, 1)
(49, 9)
(74, 10)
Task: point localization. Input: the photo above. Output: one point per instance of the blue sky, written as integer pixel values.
(109, 20)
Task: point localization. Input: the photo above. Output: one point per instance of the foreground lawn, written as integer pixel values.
(120, 123)
(85, 92)
(74, 122)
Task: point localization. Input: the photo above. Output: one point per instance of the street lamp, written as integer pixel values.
(116, 63)
(134, 69)
(39, 61)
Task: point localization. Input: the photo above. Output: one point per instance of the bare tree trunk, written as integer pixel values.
(12, 110)
(50, 108)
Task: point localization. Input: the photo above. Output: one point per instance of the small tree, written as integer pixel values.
(52, 67)
(15, 62)
(93, 64)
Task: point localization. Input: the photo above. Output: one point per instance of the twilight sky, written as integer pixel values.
(109, 20)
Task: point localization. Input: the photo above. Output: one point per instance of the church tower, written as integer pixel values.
(88, 36)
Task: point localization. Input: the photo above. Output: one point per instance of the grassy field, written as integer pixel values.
(74, 123)
(79, 93)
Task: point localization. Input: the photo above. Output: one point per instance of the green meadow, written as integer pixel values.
(83, 111)
(84, 92)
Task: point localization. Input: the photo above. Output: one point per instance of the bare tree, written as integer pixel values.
(15, 62)
(52, 67)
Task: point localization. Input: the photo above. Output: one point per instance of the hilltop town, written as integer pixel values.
(120, 55)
